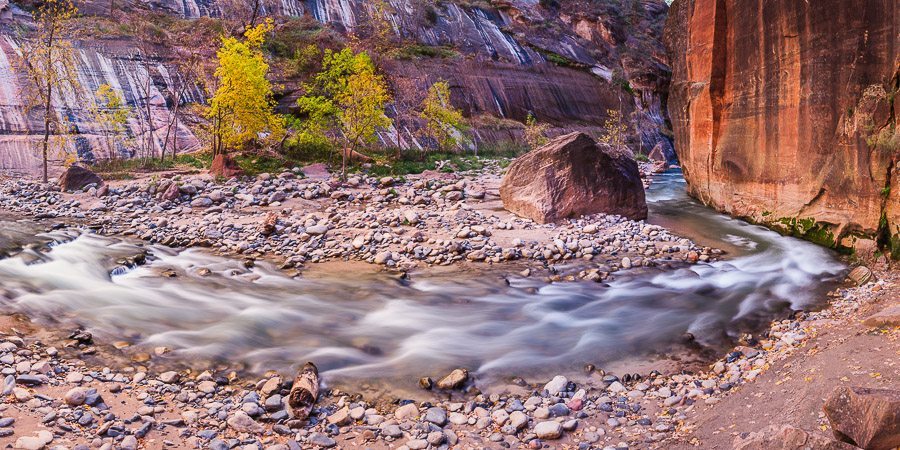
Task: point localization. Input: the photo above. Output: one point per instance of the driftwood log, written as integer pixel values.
(304, 392)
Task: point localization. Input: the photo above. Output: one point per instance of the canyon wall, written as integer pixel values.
(567, 63)
(784, 113)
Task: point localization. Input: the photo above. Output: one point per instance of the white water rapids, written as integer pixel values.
(356, 327)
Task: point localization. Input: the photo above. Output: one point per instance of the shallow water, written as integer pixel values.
(376, 327)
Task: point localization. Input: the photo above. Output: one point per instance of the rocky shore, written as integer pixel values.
(53, 399)
(298, 217)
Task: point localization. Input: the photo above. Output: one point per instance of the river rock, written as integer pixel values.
(454, 379)
(548, 430)
(860, 275)
(556, 385)
(407, 411)
(242, 423)
(75, 396)
(340, 417)
(865, 417)
(573, 176)
(76, 178)
(38, 442)
(436, 415)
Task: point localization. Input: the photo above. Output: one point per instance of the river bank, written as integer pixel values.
(155, 407)
(52, 388)
(433, 219)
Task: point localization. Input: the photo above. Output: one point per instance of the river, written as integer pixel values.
(356, 326)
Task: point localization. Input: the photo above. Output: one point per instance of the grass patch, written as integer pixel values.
(412, 163)
(419, 51)
(124, 169)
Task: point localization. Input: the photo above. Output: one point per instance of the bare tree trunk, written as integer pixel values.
(46, 136)
(254, 14)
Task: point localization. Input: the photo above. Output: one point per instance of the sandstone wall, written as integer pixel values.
(784, 112)
(507, 66)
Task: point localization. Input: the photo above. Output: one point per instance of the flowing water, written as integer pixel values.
(376, 327)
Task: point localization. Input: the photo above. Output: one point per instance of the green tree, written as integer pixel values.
(345, 102)
(444, 123)
(111, 114)
(49, 65)
(243, 107)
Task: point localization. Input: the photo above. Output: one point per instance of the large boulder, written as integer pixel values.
(225, 166)
(867, 418)
(786, 437)
(76, 178)
(572, 176)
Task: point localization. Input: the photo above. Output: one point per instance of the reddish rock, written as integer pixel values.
(267, 228)
(225, 166)
(786, 437)
(782, 111)
(572, 176)
(76, 178)
(887, 317)
(867, 418)
(172, 193)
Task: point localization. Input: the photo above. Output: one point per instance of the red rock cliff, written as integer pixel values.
(784, 113)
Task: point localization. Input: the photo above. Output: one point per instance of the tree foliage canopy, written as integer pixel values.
(444, 123)
(243, 107)
(345, 101)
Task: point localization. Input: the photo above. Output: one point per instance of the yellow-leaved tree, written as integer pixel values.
(444, 123)
(535, 132)
(362, 111)
(111, 114)
(614, 130)
(49, 65)
(243, 107)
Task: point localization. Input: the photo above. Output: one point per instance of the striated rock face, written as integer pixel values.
(573, 176)
(117, 64)
(784, 113)
(567, 65)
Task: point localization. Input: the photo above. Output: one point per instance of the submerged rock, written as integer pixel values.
(574, 176)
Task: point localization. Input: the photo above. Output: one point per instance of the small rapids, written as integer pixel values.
(358, 326)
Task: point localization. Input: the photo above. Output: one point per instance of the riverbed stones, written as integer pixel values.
(169, 377)
(865, 417)
(572, 176)
(436, 415)
(860, 275)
